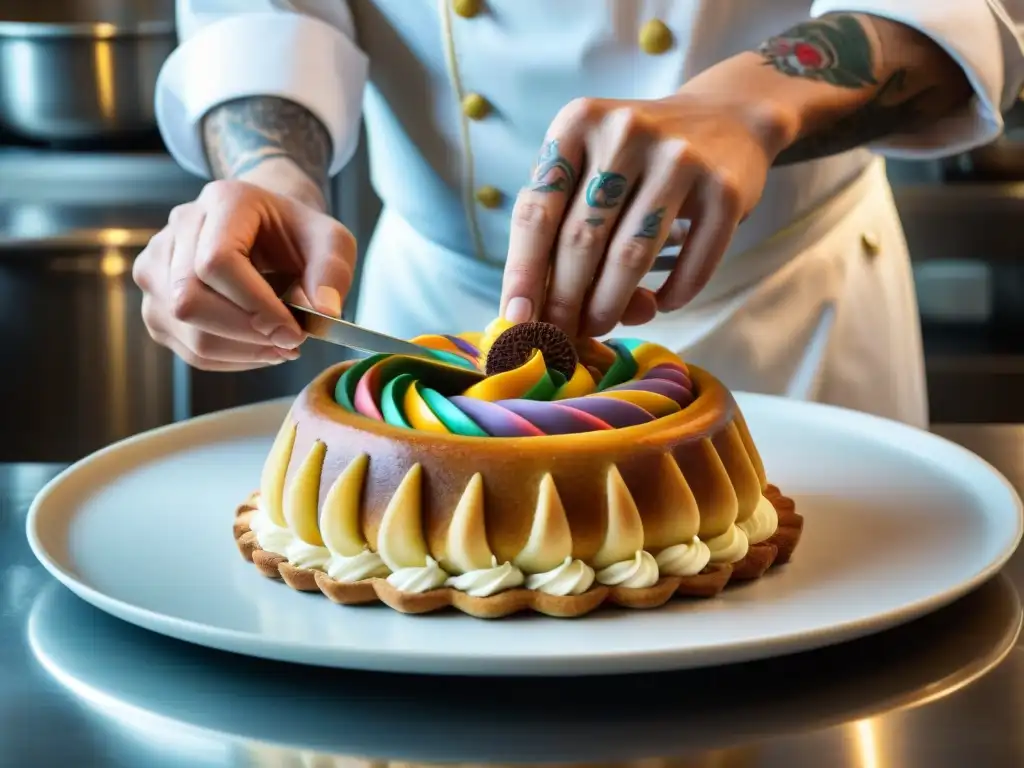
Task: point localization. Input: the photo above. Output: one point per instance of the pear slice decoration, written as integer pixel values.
(550, 540)
(341, 522)
(275, 469)
(302, 497)
(713, 489)
(684, 519)
(400, 541)
(742, 473)
(466, 541)
(624, 535)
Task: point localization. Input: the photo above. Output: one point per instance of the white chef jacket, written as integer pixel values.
(405, 67)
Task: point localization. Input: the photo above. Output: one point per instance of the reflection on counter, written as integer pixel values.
(203, 707)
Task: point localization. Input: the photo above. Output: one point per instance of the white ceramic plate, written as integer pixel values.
(898, 522)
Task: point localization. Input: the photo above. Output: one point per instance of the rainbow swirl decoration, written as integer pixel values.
(618, 383)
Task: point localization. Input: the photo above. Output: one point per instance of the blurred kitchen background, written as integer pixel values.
(85, 182)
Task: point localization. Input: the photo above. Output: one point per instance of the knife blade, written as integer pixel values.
(352, 336)
(345, 334)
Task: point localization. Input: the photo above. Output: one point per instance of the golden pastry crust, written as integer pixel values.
(713, 462)
(709, 583)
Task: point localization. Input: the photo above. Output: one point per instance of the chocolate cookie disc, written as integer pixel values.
(514, 346)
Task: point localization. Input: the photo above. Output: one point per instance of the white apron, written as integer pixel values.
(823, 311)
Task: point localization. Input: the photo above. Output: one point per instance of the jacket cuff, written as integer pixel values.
(969, 32)
(292, 56)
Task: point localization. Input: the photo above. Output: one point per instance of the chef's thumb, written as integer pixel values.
(328, 275)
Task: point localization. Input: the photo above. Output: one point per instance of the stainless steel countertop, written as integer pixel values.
(80, 688)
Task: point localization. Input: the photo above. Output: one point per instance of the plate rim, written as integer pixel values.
(428, 661)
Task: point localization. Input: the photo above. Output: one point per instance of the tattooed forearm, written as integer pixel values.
(833, 50)
(889, 78)
(240, 135)
(888, 111)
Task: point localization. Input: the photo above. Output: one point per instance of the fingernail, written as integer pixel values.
(519, 310)
(328, 301)
(265, 325)
(286, 338)
(276, 357)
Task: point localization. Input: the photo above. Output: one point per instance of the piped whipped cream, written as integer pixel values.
(729, 547)
(303, 555)
(270, 536)
(638, 573)
(761, 525)
(572, 577)
(419, 578)
(686, 559)
(349, 570)
(281, 541)
(485, 582)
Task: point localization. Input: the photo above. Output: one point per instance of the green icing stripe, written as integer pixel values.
(391, 399)
(448, 414)
(629, 344)
(545, 388)
(622, 370)
(345, 389)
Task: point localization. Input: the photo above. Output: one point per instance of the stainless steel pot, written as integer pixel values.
(82, 70)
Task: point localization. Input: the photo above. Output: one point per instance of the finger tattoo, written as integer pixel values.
(553, 172)
(595, 221)
(651, 225)
(606, 190)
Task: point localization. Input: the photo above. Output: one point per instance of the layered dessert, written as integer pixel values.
(516, 470)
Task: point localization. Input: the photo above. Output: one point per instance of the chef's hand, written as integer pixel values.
(204, 295)
(612, 179)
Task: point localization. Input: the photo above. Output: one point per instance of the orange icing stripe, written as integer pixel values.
(441, 344)
(594, 354)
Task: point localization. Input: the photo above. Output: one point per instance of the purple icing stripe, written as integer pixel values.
(493, 419)
(554, 418)
(464, 345)
(669, 389)
(617, 413)
(670, 373)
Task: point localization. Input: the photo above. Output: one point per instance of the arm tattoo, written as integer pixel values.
(836, 50)
(605, 190)
(832, 50)
(651, 225)
(889, 110)
(242, 134)
(553, 172)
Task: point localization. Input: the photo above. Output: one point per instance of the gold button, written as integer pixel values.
(655, 37)
(488, 197)
(467, 9)
(475, 106)
(872, 245)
